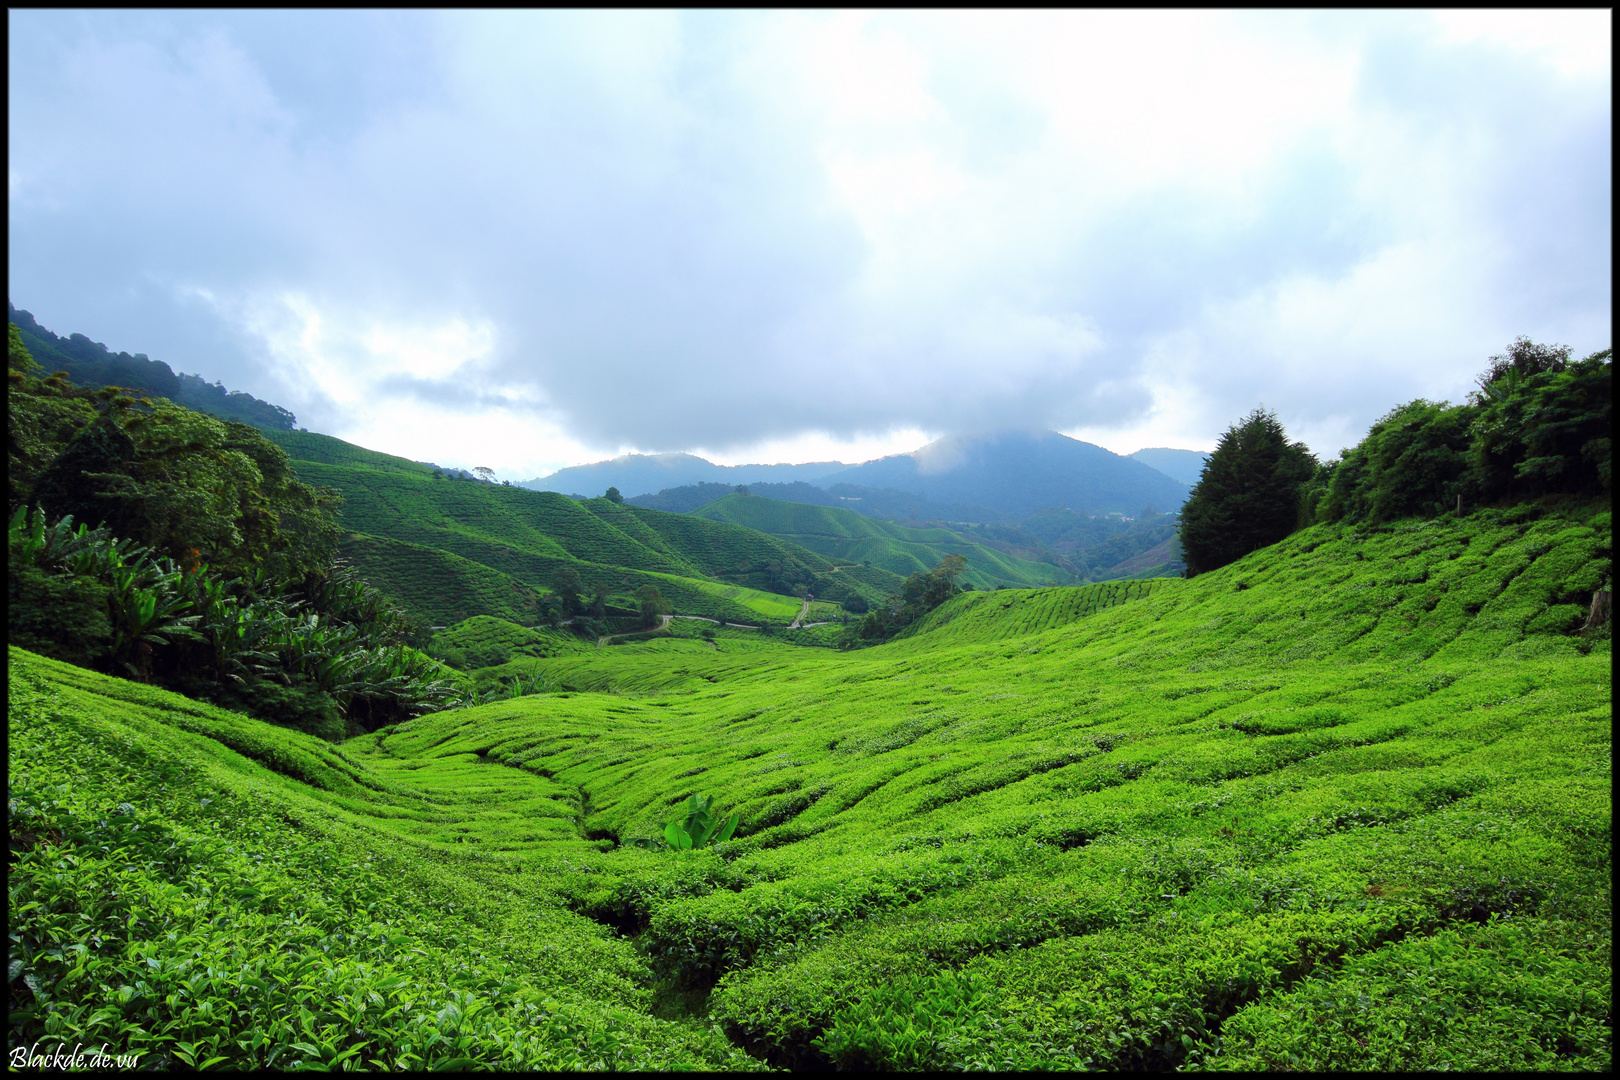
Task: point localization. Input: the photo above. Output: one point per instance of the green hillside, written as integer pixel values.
(849, 538)
(449, 549)
(436, 585)
(1341, 805)
(311, 446)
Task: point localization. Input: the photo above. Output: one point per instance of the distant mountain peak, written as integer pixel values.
(1020, 471)
(644, 474)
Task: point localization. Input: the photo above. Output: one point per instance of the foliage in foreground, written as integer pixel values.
(323, 654)
(1342, 804)
(181, 900)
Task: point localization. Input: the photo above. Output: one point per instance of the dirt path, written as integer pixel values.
(799, 618)
(605, 638)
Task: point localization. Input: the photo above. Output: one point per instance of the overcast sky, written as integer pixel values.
(530, 240)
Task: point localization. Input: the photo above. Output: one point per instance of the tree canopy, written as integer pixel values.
(1538, 425)
(193, 487)
(209, 570)
(1248, 496)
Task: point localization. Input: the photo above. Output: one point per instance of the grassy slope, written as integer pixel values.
(849, 538)
(1344, 804)
(521, 538)
(442, 587)
(312, 446)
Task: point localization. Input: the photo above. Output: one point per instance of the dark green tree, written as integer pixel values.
(1414, 461)
(1543, 424)
(613, 495)
(1523, 359)
(653, 605)
(1248, 496)
(566, 584)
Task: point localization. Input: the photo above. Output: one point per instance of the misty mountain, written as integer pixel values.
(643, 474)
(883, 503)
(688, 497)
(1183, 465)
(1017, 473)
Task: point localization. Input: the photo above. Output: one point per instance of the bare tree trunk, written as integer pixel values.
(1602, 603)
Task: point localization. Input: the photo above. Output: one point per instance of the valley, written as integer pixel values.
(324, 758)
(1152, 824)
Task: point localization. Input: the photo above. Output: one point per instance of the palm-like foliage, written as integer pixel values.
(701, 825)
(332, 635)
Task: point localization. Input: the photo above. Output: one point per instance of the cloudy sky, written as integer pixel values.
(529, 240)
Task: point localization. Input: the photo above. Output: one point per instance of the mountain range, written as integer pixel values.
(986, 478)
(641, 474)
(998, 477)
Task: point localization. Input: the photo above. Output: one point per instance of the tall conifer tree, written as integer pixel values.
(1248, 495)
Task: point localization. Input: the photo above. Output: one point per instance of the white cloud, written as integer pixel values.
(814, 233)
(1578, 41)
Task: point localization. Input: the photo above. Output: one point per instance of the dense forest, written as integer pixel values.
(91, 364)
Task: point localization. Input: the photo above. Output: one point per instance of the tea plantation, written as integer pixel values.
(847, 537)
(447, 550)
(1343, 804)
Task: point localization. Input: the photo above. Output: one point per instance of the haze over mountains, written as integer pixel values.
(641, 474)
(974, 478)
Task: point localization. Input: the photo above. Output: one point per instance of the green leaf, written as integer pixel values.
(676, 836)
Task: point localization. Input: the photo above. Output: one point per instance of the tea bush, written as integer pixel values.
(1197, 826)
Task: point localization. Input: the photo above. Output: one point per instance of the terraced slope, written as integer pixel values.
(231, 893)
(449, 549)
(312, 446)
(1342, 805)
(849, 538)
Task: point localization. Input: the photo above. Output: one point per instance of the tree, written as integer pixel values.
(1413, 461)
(613, 495)
(741, 489)
(485, 473)
(653, 605)
(566, 584)
(920, 594)
(1543, 424)
(1523, 359)
(19, 358)
(1248, 496)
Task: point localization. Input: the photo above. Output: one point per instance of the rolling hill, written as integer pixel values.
(1343, 805)
(847, 537)
(90, 363)
(1182, 466)
(450, 549)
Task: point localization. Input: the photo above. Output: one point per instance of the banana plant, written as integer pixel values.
(701, 826)
(147, 608)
